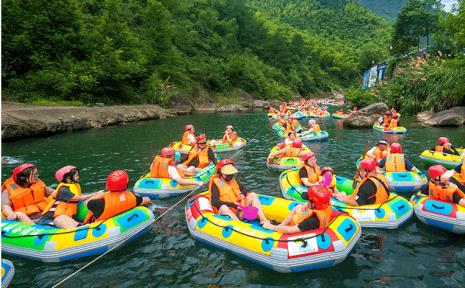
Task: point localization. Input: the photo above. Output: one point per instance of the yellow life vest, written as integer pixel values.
(395, 163)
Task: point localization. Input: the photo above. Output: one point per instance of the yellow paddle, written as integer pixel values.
(357, 174)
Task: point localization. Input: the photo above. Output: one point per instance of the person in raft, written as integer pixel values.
(445, 146)
(314, 214)
(313, 126)
(226, 194)
(163, 167)
(380, 151)
(396, 161)
(291, 136)
(188, 138)
(387, 119)
(66, 196)
(459, 173)
(394, 122)
(200, 155)
(309, 173)
(441, 188)
(294, 151)
(229, 136)
(24, 195)
(117, 200)
(372, 189)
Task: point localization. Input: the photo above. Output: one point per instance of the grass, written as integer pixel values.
(51, 102)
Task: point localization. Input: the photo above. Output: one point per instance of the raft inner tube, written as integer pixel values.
(449, 161)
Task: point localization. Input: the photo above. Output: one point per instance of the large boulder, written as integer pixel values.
(452, 117)
(365, 117)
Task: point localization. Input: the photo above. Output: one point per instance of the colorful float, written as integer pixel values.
(449, 161)
(51, 244)
(237, 144)
(444, 215)
(166, 187)
(396, 130)
(8, 271)
(284, 163)
(320, 248)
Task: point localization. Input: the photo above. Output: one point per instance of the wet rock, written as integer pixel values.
(234, 277)
(21, 121)
(452, 117)
(365, 117)
(232, 108)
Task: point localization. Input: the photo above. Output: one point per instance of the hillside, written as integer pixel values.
(387, 9)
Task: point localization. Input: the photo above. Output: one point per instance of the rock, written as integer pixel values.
(21, 121)
(232, 108)
(452, 117)
(375, 108)
(365, 117)
(99, 104)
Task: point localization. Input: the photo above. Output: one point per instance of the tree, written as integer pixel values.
(417, 18)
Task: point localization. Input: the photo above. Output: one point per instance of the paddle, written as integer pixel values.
(357, 173)
(248, 212)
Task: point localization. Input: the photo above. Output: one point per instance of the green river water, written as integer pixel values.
(415, 255)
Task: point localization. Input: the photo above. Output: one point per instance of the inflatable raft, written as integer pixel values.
(239, 143)
(306, 135)
(50, 244)
(404, 182)
(299, 115)
(389, 215)
(8, 271)
(449, 161)
(440, 214)
(396, 130)
(296, 252)
(290, 185)
(166, 187)
(284, 163)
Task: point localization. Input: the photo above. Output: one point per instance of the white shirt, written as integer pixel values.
(173, 172)
(191, 139)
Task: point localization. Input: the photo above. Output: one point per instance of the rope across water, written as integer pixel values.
(155, 220)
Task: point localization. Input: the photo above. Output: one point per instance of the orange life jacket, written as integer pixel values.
(461, 175)
(444, 193)
(202, 156)
(386, 121)
(61, 207)
(229, 191)
(313, 174)
(438, 148)
(232, 136)
(30, 200)
(380, 154)
(393, 123)
(395, 163)
(185, 138)
(382, 194)
(117, 203)
(159, 168)
(316, 128)
(324, 216)
(291, 151)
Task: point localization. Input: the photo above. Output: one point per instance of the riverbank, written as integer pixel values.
(22, 120)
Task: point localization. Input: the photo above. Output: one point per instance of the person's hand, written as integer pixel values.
(268, 225)
(241, 196)
(12, 216)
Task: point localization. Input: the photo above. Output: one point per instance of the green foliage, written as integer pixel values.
(146, 51)
(417, 18)
(51, 102)
(384, 8)
(360, 98)
(451, 35)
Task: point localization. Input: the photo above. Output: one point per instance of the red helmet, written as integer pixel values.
(297, 143)
(21, 168)
(200, 137)
(307, 156)
(327, 168)
(436, 171)
(396, 148)
(117, 181)
(443, 140)
(223, 162)
(320, 195)
(167, 151)
(368, 164)
(189, 127)
(60, 174)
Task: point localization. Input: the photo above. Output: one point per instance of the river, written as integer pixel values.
(415, 255)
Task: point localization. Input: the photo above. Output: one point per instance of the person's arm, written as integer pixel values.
(174, 174)
(243, 189)
(211, 155)
(96, 196)
(410, 167)
(370, 152)
(7, 210)
(49, 191)
(216, 202)
(382, 163)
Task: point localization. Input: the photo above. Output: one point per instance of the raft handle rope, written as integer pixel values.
(154, 221)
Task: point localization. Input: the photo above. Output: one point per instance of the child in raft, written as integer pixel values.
(116, 201)
(65, 199)
(445, 146)
(441, 188)
(314, 214)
